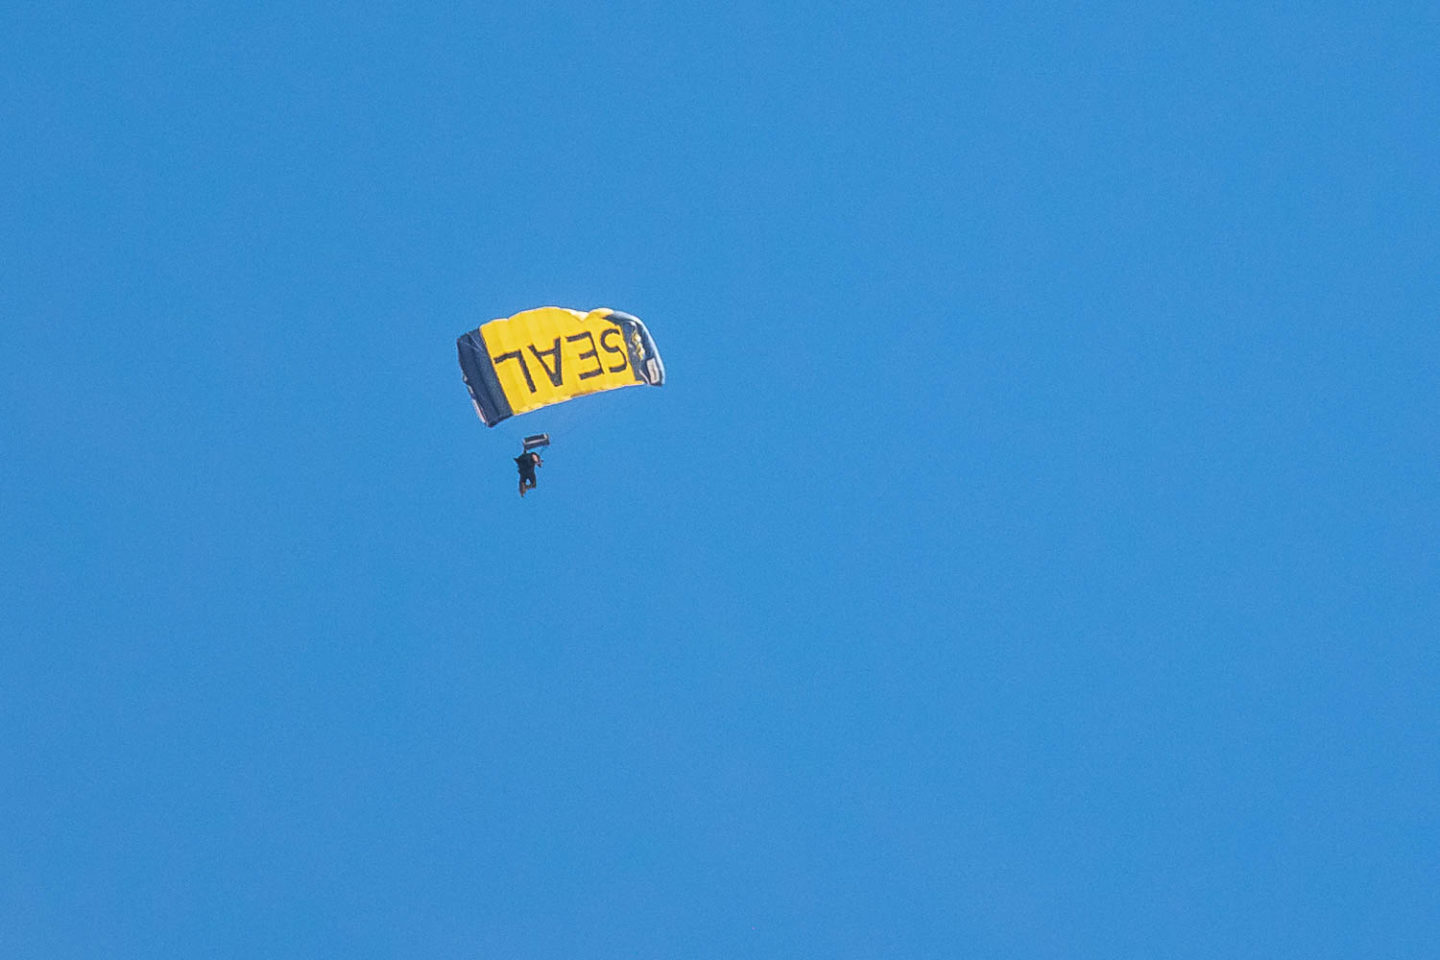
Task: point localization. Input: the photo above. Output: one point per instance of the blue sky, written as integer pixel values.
(1033, 553)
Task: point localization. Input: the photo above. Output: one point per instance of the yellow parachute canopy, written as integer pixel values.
(553, 354)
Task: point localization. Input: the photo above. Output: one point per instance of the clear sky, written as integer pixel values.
(1033, 553)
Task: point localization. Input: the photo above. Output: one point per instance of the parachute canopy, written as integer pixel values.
(553, 354)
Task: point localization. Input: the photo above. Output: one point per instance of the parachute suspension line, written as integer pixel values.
(559, 421)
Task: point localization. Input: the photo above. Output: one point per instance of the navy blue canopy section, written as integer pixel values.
(480, 378)
(644, 357)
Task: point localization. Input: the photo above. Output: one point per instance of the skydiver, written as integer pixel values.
(526, 463)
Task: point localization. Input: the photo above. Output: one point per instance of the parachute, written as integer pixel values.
(553, 354)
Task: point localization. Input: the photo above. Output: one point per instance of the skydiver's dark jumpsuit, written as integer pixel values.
(526, 463)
